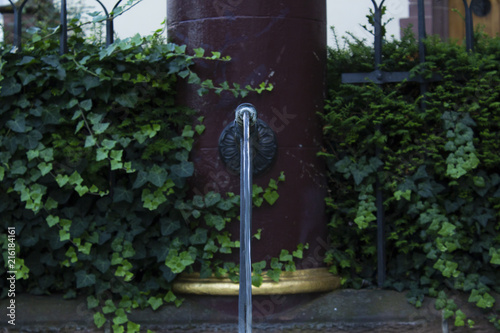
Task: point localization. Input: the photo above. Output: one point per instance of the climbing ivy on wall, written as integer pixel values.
(94, 163)
(438, 169)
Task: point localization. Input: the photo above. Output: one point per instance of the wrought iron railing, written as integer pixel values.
(17, 9)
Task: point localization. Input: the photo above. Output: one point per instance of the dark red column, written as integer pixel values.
(282, 42)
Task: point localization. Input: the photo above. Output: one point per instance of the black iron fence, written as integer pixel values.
(17, 10)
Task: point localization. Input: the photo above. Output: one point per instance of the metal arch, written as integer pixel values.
(17, 23)
(109, 22)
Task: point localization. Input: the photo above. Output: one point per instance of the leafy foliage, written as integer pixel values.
(438, 170)
(94, 162)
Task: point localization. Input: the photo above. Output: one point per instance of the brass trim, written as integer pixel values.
(298, 282)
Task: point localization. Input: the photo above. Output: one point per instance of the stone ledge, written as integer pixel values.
(339, 311)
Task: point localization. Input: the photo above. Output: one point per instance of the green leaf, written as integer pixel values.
(52, 220)
(215, 221)
(155, 302)
(133, 327)
(495, 256)
(199, 52)
(32, 139)
(271, 196)
(274, 274)
(211, 198)
(84, 279)
(123, 194)
(89, 141)
(99, 319)
(75, 178)
(285, 256)
(62, 180)
(128, 100)
(101, 154)
(120, 317)
(100, 128)
(184, 169)
(141, 179)
(169, 226)
(102, 264)
(447, 229)
(257, 280)
(90, 82)
(18, 168)
(157, 176)
(199, 237)
(86, 104)
(18, 124)
(92, 302)
(109, 306)
(45, 168)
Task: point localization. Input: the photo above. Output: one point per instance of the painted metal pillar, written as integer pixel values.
(282, 42)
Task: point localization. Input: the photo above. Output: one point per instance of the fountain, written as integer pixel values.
(282, 43)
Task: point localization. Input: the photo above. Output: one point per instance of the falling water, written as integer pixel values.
(244, 116)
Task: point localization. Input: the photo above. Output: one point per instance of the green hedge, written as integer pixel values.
(94, 163)
(439, 170)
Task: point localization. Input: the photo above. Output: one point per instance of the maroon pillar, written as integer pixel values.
(282, 42)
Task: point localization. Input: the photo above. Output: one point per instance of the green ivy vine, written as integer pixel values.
(438, 170)
(94, 162)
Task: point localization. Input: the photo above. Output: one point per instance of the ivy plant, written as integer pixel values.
(437, 166)
(94, 163)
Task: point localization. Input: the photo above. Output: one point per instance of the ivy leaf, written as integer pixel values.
(18, 168)
(141, 179)
(199, 237)
(102, 264)
(184, 169)
(109, 306)
(51, 115)
(274, 274)
(169, 226)
(122, 194)
(99, 319)
(211, 198)
(32, 139)
(447, 229)
(120, 317)
(86, 104)
(155, 302)
(157, 176)
(128, 100)
(10, 87)
(92, 302)
(51, 60)
(44, 168)
(83, 279)
(89, 141)
(215, 221)
(90, 82)
(495, 256)
(18, 124)
(271, 196)
(285, 256)
(257, 280)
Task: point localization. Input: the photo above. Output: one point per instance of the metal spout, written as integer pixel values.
(245, 115)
